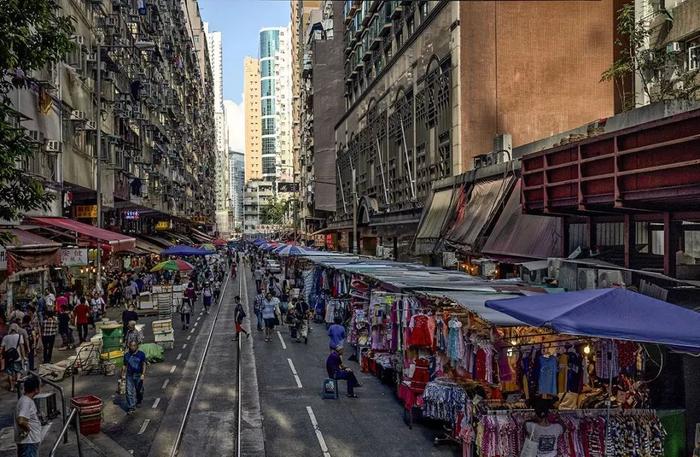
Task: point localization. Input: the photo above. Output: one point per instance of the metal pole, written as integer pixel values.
(98, 163)
(408, 163)
(381, 168)
(355, 244)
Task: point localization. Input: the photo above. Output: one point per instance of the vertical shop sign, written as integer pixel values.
(72, 257)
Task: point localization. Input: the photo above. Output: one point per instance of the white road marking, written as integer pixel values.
(155, 403)
(195, 324)
(199, 318)
(319, 435)
(188, 337)
(294, 372)
(165, 383)
(172, 370)
(184, 346)
(179, 356)
(192, 331)
(144, 425)
(284, 346)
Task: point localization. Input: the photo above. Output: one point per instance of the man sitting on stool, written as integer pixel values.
(336, 370)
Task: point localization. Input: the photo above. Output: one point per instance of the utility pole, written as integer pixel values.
(98, 159)
(355, 242)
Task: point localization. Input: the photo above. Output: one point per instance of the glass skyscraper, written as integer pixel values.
(269, 47)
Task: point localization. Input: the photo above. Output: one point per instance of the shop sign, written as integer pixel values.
(132, 215)
(3, 259)
(163, 225)
(86, 211)
(73, 257)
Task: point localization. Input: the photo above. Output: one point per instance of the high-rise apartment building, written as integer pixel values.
(251, 118)
(237, 186)
(276, 104)
(429, 86)
(221, 172)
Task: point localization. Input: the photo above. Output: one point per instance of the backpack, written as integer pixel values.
(12, 354)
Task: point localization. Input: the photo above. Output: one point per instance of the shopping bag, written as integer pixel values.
(530, 446)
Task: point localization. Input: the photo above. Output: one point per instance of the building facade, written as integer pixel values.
(257, 195)
(221, 172)
(321, 106)
(237, 186)
(251, 118)
(430, 86)
(157, 118)
(276, 104)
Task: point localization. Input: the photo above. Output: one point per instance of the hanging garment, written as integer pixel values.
(547, 382)
(419, 331)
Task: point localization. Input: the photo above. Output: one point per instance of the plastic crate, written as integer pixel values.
(162, 326)
(91, 427)
(165, 336)
(87, 405)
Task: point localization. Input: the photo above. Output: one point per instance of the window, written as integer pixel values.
(694, 57)
(268, 126)
(268, 146)
(266, 68)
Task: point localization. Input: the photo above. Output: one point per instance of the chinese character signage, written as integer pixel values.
(73, 257)
(163, 225)
(131, 215)
(86, 212)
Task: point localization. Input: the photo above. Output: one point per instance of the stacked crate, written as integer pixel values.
(112, 344)
(163, 333)
(165, 305)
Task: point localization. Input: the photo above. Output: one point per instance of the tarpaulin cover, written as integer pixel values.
(543, 233)
(434, 220)
(147, 246)
(118, 241)
(485, 198)
(474, 301)
(185, 250)
(607, 313)
(23, 239)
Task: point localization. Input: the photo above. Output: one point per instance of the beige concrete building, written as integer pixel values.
(251, 112)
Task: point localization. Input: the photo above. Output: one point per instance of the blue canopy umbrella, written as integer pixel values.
(268, 246)
(291, 250)
(258, 241)
(607, 313)
(185, 250)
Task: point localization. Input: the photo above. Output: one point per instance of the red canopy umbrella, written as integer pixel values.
(218, 242)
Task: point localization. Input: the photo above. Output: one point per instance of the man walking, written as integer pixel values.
(336, 334)
(81, 314)
(258, 276)
(27, 424)
(239, 315)
(48, 335)
(207, 294)
(133, 372)
(258, 307)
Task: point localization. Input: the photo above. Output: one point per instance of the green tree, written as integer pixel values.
(662, 74)
(32, 35)
(275, 212)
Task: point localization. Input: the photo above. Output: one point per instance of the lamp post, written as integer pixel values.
(141, 45)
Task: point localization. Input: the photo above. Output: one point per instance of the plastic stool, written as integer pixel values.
(325, 393)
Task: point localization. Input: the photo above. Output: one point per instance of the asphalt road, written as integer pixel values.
(296, 421)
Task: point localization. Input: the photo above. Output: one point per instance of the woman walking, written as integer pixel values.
(185, 310)
(270, 314)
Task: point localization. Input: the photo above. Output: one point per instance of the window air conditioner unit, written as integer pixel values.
(90, 125)
(77, 115)
(78, 39)
(610, 278)
(586, 278)
(52, 146)
(35, 136)
(673, 47)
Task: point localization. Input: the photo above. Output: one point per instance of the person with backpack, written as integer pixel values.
(207, 294)
(12, 348)
(185, 311)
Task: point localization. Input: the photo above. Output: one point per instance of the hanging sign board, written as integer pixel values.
(163, 225)
(86, 211)
(73, 257)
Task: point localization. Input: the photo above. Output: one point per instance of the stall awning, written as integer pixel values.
(23, 239)
(27, 250)
(201, 236)
(607, 313)
(158, 241)
(543, 238)
(475, 301)
(147, 247)
(117, 241)
(484, 202)
(433, 222)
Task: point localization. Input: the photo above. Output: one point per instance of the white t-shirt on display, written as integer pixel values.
(545, 437)
(27, 409)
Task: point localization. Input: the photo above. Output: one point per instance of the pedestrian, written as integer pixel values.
(31, 341)
(336, 334)
(258, 276)
(133, 290)
(185, 310)
(49, 299)
(270, 314)
(239, 315)
(26, 424)
(258, 307)
(129, 315)
(191, 295)
(207, 294)
(132, 334)
(64, 328)
(12, 348)
(234, 270)
(134, 372)
(48, 335)
(336, 370)
(97, 308)
(217, 289)
(81, 315)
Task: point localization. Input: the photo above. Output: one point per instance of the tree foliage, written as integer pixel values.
(32, 35)
(276, 211)
(663, 75)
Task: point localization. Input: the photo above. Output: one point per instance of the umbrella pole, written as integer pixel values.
(608, 404)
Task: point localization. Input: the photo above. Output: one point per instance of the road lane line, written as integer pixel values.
(319, 435)
(155, 403)
(165, 384)
(192, 331)
(179, 356)
(284, 346)
(143, 427)
(294, 372)
(184, 346)
(172, 370)
(195, 324)
(188, 337)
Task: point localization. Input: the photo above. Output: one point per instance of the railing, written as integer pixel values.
(73, 416)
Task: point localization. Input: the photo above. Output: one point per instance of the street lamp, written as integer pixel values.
(143, 46)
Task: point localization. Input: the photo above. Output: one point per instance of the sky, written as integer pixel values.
(239, 22)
